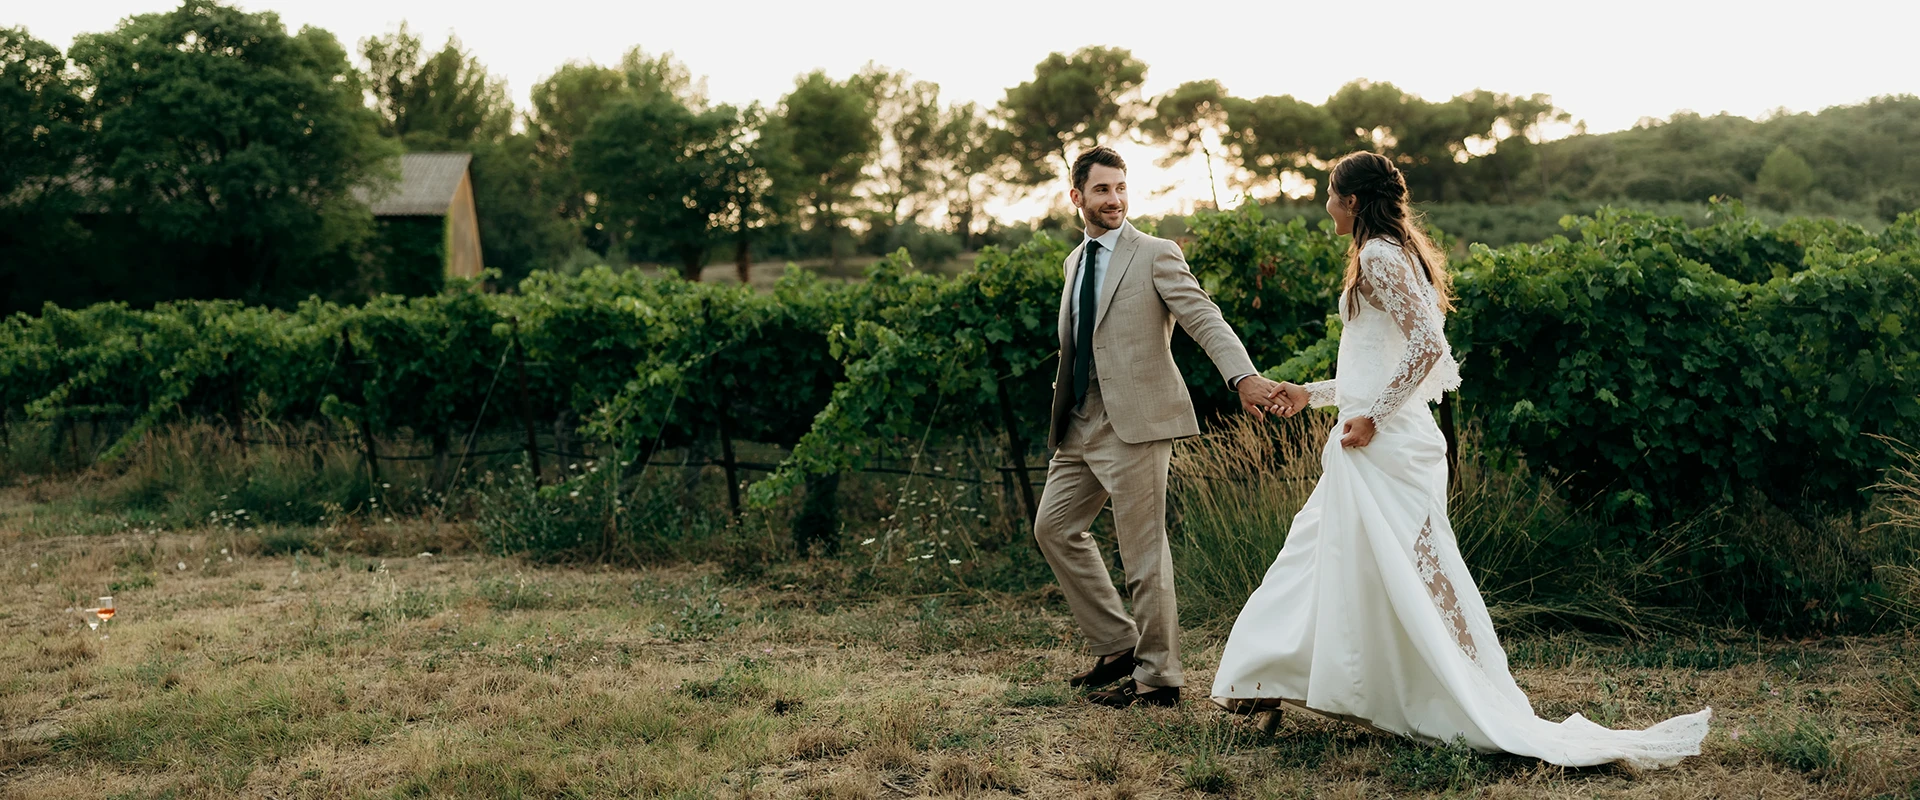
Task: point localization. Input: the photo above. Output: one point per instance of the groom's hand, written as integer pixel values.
(1259, 396)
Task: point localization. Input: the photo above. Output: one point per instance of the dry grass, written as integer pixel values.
(350, 674)
(1237, 489)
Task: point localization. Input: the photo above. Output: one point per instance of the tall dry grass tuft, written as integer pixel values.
(1536, 560)
(199, 474)
(196, 474)
(1894, 538)
(1234, 492)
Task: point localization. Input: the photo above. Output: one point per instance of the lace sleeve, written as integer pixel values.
(1395, 286)
(1320, 393)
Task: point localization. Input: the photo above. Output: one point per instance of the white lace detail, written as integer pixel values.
(1390, 282)
(1441, 588)
(1408, 332)
(1321, 393)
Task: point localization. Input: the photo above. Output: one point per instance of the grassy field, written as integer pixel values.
(375, 669)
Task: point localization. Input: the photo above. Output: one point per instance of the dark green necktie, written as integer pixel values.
(1083, 333)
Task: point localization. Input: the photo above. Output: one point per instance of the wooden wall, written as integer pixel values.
(463, 232)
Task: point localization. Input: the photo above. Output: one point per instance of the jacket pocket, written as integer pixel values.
(1157, 388)
(1131, 288)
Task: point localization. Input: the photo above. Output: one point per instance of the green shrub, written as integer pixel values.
(1804, 744)
(600, 512)
(1452, 766)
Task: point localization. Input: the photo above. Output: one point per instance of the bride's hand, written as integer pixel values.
(1358, 432)
(1294, 399)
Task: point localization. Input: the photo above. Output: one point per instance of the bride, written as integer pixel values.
(1369, 613)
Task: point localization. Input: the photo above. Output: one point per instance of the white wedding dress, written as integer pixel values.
(1369, 613)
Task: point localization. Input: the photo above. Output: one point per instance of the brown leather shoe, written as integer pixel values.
(1105, 672)
(1129, 694)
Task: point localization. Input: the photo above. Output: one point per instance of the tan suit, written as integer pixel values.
(1117, 444)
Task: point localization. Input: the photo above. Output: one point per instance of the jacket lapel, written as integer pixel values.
(1072, 268)
(1123, 253)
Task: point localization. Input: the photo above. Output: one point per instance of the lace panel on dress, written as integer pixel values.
(1441, 589)
(1390, 282)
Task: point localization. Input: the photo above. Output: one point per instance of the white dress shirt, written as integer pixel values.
(1108, 241)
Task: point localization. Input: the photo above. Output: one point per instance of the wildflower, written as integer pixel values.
(868, 542)
(574, 493)
(386, 519)
(386, 486)
(182, 566)
(953, 561)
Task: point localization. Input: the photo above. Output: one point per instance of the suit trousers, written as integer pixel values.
(1090, 466)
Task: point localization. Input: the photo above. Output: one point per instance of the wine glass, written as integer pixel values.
(101, 614)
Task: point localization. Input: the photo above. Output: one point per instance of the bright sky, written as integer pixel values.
(1608, 64)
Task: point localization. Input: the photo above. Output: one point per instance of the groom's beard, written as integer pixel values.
(1096, 219)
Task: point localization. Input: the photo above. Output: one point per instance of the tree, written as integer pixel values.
(907, 118)
(966, 158)
(1073, 99)
(1184, 119)
(42, 137)
(565, 104)
(759, 166)
(521, 229)
(661, 174)
(828, 129)
(227, 153)
(1784, 179)
(446, 101)
(1271, 137)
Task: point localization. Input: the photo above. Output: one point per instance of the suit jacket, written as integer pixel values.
(1147, 288)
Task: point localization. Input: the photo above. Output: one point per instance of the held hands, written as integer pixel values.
(1358, 432)
(1260, 396)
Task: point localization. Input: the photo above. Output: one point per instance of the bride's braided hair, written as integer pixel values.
(1378, 193)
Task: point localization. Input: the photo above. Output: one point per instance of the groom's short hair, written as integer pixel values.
(1102, 155)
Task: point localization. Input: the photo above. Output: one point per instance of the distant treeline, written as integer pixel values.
(207, 152)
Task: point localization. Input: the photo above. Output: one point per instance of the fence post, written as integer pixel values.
(727, 461)
(526, 405)
(239, 402)
(1452, 435)
(359, 391)
(1016, 444)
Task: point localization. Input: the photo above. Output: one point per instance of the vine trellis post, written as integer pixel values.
(358, 389)
(1016, 443)
(526, 404)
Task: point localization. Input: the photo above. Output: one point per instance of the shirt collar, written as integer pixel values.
(1107, 240)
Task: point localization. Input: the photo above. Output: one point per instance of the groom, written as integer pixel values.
(1118, 404)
